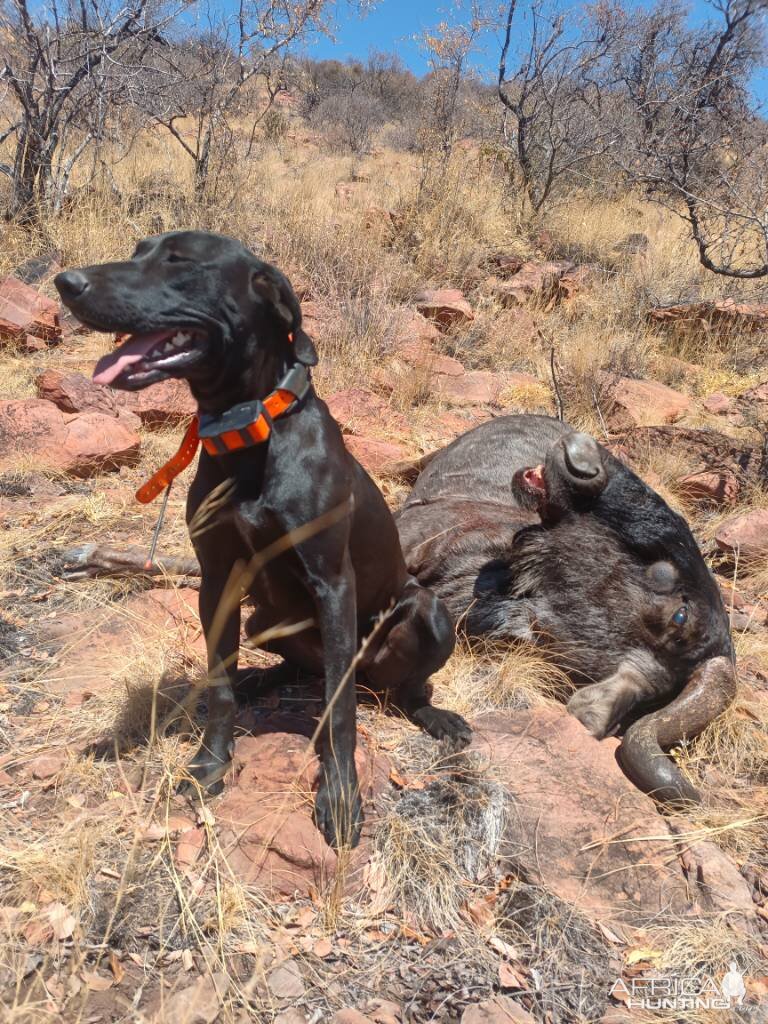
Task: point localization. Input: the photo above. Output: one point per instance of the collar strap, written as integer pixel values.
(242, 426)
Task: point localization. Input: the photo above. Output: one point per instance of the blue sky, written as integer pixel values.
(391, 25)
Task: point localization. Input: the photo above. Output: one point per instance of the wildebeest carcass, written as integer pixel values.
(529, 530)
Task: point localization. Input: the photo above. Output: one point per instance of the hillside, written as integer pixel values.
(517, 882)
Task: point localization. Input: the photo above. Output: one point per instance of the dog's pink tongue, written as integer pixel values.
(112, 365)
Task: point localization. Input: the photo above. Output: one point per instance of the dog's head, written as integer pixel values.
(195, 305)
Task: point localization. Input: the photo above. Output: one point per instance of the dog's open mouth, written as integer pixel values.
(146, 358)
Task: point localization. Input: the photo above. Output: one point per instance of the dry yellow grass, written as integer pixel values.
(285, 205)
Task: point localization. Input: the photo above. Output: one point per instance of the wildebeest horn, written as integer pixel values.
(706, 695)
(583, 464)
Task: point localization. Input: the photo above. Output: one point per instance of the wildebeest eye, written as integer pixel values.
(174, 257)
(680, 617)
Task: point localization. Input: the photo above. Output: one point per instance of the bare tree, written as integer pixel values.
(213, 76)
(552, 92)
(690, 130)
(65, 64)
(449, 47)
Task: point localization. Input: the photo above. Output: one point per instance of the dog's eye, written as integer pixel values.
(680, 617)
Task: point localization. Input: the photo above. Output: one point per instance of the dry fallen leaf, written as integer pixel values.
(481, 913)
(323, 948)
(62, 921)
(205, 816)
(511, 978)
(502, 947)
(116, 967)
(639, 953)
(610, 935)
(95, 982)
(187, 959)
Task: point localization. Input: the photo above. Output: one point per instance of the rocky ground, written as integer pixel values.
(519, 881)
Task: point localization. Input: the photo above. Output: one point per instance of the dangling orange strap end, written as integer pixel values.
(175, 465)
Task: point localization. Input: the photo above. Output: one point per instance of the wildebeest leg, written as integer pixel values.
(601, 707)
(222, 637)
(417, 639)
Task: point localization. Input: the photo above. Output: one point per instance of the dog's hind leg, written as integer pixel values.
(221, 626)
(418, 638)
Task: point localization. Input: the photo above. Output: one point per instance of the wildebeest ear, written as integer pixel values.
(276, 289)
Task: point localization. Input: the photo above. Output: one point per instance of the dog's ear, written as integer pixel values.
(304, 347)
(275, 288)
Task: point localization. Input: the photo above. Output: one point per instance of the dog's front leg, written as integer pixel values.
(221, 627)
(338, 808)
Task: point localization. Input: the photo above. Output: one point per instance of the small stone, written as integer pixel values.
(646, 403)
(286, 981)
(350, 1017)
(446, 307)
(745, 534)
(384, 1011)
(48, 765)
(499, 1010)
(718, 404)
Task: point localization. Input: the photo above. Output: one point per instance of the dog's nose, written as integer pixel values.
(71, 284)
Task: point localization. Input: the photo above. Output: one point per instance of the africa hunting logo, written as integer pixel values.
(674, 993)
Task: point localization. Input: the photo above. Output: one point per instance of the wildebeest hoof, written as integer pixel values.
(339, 815)
(444, 725)
(205, 776)
(594, 711)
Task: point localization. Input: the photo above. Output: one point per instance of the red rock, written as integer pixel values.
(446, 307)
(198, 1003)
(362, 412)
(23, 311)
(745, 534)
(505, 264)
(757, 394)
(286, 981)
(162, 404)
(90, 648)
(35, 431)
(571, 801)
(377, 457)
(645, 403)
(718, 404)
(499, 1010)
(33, 344)
(189, 847)
(572, 282)
(710, 487)
(384, 1011)
(169, 401)
(380, 220)
(350, 1016)
(422, 356)
(534, 281)
(723, 314)
(48, 765)
(722, 889)
(413, 327)
(74, 392)
(476, 387)
(313, 317)
(272, 842)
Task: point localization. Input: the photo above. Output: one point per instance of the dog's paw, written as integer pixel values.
(204, 774)
(339, 814)
(444, 725)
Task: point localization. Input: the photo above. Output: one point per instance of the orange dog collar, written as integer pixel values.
(240, 427)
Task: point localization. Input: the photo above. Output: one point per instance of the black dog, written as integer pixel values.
(201, 307)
